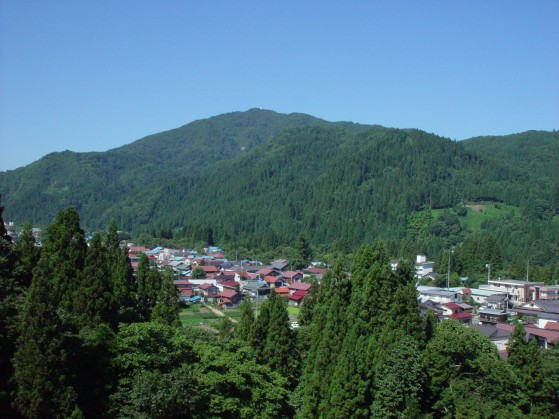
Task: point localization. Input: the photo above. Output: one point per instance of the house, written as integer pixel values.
(209, 290)
(256, 289)
(317, 272)
(540, 312)
(273, 281)
(229, 298)
(229, 285)
(183, 284)
(544, 292)
(438, 295)
(455, 311)
(282, 292)
(492, 316)
(299, 286)
(292, 276)
(279, 264)
(296, 298)
(422, 266)
(543, 337)
(185, 294)
(267, 271)
(499, 336)
(518, 291)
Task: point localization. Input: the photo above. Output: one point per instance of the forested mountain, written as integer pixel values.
(98, 182)
(259, 179)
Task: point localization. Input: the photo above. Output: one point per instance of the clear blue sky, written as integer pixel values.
(94, 75)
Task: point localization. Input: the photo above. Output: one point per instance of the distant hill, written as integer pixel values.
(259, 178)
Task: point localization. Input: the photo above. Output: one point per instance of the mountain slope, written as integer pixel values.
(94, 182)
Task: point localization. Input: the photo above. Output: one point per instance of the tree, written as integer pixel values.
(467, 375)
(167, 308)
(280, 343)
(305, 315)
(11, 291)
(47, 348)
(244, 327)
(526, 360)
(399, 388)
(198, 273)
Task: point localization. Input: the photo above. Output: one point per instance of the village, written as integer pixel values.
(492, 308)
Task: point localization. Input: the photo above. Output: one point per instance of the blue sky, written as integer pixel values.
(94, 75)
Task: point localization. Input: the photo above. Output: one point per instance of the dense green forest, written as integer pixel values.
(259, 180)
(81, 336)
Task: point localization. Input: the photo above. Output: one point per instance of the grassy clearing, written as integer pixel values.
(293, 311)
(480, 211)
(197, 314)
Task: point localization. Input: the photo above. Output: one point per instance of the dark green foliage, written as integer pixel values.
(11, 290)
(306, 313)
(468, 376)
(292, 176)
(198, 273)
(280, 343)
(167, 308)
(401, 383)
(243, 329)
(527, 361)
(166, 373)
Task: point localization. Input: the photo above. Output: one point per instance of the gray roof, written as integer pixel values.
(492, 332)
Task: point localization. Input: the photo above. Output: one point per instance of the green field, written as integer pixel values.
(197, 314)
(480, 211)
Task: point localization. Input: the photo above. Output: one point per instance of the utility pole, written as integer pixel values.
(488, 267)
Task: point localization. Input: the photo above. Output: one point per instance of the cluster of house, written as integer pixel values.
(227, 282)
(535, 303)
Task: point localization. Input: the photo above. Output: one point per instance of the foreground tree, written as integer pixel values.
(47, 347)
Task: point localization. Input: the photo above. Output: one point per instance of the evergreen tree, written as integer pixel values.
(327, 328)
(526, 360)
(399, 388)
(260, 329)
(149, 283)
(305, 315)
(93, 298)
(279, 345)
(244, 327)
(167, 308)
(10, 293)
(27, 253)
(47, 349)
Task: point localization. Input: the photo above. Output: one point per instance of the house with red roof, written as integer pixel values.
(282, 292)
(296, 298)
(273, 281)
(292, 276)
(229, 298)
(456, 311)
(299, 286)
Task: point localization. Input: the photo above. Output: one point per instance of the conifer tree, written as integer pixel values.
(526, 359)
(306, 312)
(45, 360)
(279, 345)
(10, 293)
(124, 308)
(260, 329)
(93, 298)
(167, 308)
(244, 327)
(327, 328)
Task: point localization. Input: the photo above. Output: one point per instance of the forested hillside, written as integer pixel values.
(260, 179)
(97, 183)
(82, 336)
